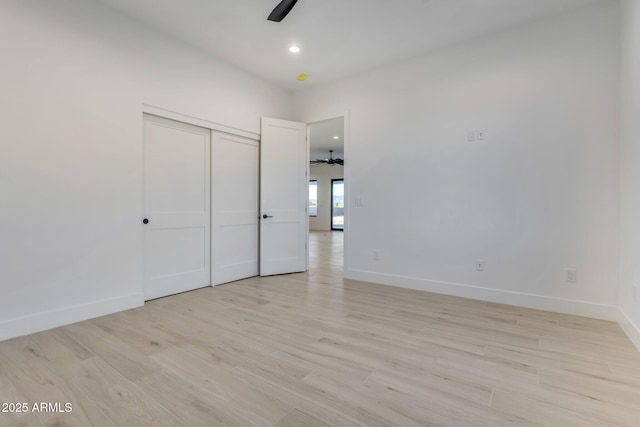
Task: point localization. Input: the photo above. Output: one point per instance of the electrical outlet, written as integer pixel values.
(376, 255)
(571, 275)
(480, 135)
(479, 265)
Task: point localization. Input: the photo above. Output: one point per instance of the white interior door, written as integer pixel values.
(283, 197)
(234, 216)
(176, 207)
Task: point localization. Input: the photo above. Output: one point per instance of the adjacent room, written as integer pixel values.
(335, 213)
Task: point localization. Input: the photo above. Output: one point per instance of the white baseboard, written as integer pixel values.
(42, 321)
(520, 299)
(629, 327)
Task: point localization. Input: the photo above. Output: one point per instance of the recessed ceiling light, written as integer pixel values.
(336, 137)
(301, 77)
(294, 49)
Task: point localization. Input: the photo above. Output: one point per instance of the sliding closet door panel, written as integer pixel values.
(176, 217)
(234, 235)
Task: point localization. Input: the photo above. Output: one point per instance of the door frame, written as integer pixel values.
(346, 171)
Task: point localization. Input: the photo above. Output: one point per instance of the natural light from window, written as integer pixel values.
(313, 198)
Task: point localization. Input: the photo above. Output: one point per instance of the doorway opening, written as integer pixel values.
(327, 211)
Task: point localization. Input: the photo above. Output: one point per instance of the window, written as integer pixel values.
(313, 198)
(337, 204)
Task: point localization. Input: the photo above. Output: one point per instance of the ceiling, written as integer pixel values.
(338, 38)
(322, 139)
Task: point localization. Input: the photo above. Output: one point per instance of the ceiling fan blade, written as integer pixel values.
(339, 161)
(281, 10)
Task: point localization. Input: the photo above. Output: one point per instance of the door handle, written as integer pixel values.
(265, 216)
(145, 221)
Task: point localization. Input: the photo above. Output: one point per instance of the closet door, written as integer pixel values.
(234, 192)
(176, 217)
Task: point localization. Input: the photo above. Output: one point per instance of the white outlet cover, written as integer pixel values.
(571, 275)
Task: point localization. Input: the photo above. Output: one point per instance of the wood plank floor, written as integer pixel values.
(314, 350)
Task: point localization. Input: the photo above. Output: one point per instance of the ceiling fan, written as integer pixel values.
(330, 161)
(281, 10)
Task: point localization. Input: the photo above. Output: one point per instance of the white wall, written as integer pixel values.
(630, 171)
(539, 195)
(324, 174)
(75, 76)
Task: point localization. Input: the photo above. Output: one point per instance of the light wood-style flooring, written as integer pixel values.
(313, 350)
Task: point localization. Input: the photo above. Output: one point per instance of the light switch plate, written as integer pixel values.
(471, 136)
